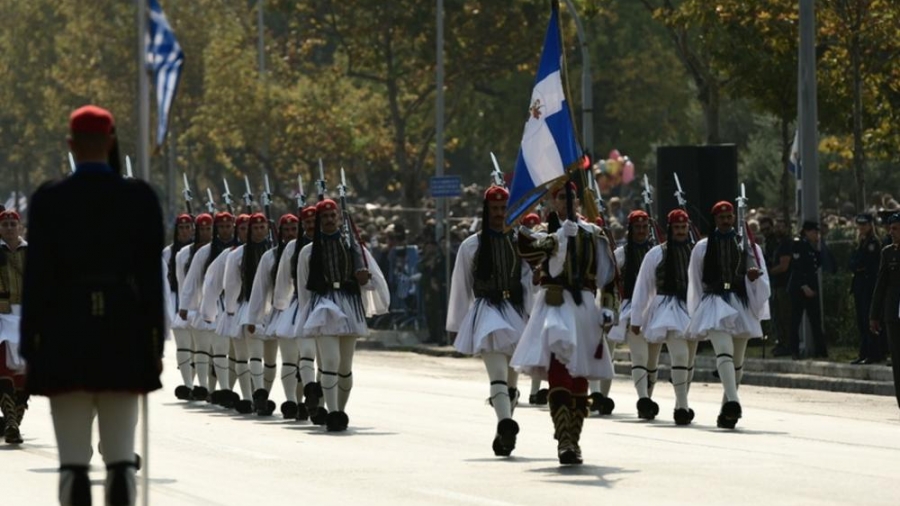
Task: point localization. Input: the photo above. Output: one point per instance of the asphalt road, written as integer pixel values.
(421, 432)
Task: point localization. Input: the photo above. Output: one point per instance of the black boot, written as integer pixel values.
(647, 409)
(8, 407)
(289, 410)
(318, 416)
(683, 416)
(312, 393)
(505, 440)
(120, 484)
(541, 397)
(302, 414)
(199, 393)
(74, 485)
(579, 412)
(336, 421)
(261, 403)
(183, 393)
(729, 415)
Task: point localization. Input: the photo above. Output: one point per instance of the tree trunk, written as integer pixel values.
(710, 101)
(859, 154)
(786, 197)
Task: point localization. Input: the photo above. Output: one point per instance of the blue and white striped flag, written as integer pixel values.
(549, 148)
(164, 59)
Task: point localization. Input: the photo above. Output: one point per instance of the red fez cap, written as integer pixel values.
(496, 194)
(204, 219)
(677, 216)
(241, 219)
(257, 218)
(638, 216)
(224, 217)
(287, 218)
(91, 119)
(531, 219)
(10, 214)
(326, 205)
(599, 221)
(184, 218)
(308, 212)
(570, 184)
(722, 207)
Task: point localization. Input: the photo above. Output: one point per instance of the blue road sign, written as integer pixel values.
(446, 186)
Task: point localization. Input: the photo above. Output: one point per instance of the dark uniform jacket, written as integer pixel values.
(864, 264)
(92, 314)
(805, 263)
(886, 298)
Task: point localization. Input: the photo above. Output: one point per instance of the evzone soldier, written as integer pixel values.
(13, 396)
(187, 319)
(537, 396)
(340, 285)
(240, 270)
(644, 353)
(728, 296)
(262, 318)
(184, 235)
(212, 310)
(659, 307)
(562, 339)
(609, 300)
(490, 293)
(295, 348)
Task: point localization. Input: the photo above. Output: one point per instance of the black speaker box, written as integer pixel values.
(708, 174)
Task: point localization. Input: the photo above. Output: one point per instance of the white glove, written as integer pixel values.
(570, 228)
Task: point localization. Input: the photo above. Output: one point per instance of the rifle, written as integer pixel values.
(188, 196)
(647, 197)
(351, 235)
(693, 233)
(266, 201)
(129, 174)
(248, 196)
(743, 233)
(497, 175)
(229, 204)
(320, 183)
(210, 203)
(301, 197)
(71, 162)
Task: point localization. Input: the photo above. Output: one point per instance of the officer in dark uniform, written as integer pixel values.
(886, 298)
(803, 287)
(864, 266)
(92, 312)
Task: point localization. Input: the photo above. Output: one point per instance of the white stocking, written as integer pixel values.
(255, 349)
(184, 355)
(740, 349)
(307, 365)
(639, 356)
(723, 345)
(201, 356)
(242, 370)
(290, 354)
(497, 365)
(535, 385)
(679, 355)
(653, 350)
(270, 363)
(345, 371)
(220, 346)
(329, 362)
(232, 365)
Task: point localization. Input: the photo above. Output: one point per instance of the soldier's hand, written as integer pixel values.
(363, 276)
(809, 292)
(753, 274)
(875, 326)
(570, 228)
(636, 329)
(251, 329)
(182, 314)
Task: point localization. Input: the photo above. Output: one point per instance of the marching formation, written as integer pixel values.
(552, 298)
(243, 289)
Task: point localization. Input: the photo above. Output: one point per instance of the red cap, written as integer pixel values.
(308, 212)
(677, 216)
(204, 219)
(257, 218)
(326, 205)
(638, 216)
(224, 217)
(531, 219)
(184, 218)
(91, 119)
(288, 218)
(241, 219)
(722, 207)
(571, 185)
(10, 214)
(599, 221)
(496, 194)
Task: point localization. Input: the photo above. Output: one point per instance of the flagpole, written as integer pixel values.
(143, 141)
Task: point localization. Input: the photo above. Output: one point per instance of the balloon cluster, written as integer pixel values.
(616, 170)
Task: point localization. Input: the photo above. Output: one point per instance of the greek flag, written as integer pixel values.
(164, 58)
(548, 146)
(794, 157)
